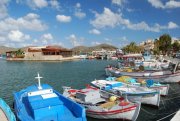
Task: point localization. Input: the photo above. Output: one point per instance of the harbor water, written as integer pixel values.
(15, 76)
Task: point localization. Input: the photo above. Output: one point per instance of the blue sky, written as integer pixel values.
(72, 23)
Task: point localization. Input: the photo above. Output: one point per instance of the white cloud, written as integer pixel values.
(63, 18)
(78, 11)
(167, 5)
(80, 14)
(58, 43)
(124, 38)
(118, 2)
(95, 43)
(172, 4)
(111, 19)
(78, 5)
(156, 3)
(172, 25)
(54, 4)
(106, 19)
(3, 8)
(130, 10)
(46, 38)
(29, 22)
(39, 4)
(108, 40)
(95, 31)
(17, 36)
(74, 40)
(12, 30)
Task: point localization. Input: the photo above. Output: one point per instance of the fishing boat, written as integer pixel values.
(133, 93)
(163, 88)
(5, 112)
(171, 74)
(43, 103)
(102, 105)
(152, 63)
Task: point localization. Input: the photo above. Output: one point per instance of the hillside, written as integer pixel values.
(84, 49)
(76, 50)
(4, 49)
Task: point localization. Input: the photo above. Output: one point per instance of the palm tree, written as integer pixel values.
(19, 53)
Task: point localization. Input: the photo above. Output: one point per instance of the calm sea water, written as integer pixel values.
(15, 76)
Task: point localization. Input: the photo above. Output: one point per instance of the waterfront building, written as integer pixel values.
(40, 53)
(148, 44)
(102, 54)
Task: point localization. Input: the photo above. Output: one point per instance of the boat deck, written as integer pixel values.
(3, 116)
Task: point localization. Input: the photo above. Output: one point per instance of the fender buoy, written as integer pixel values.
(123, 103)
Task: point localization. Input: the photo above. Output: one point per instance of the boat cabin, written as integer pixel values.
(89, 95)
(111, 84)
(43, 103)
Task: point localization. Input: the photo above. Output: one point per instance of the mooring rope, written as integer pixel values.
(167, 116)
(174, 90)
(175, 93)
(152, 113)
(171, 98)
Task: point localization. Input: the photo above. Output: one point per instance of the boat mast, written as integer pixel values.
(39, 81)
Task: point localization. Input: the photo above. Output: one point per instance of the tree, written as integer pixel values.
(132, 48)
(176, 46)
(19, 53)
(156, 50)
(165, 43)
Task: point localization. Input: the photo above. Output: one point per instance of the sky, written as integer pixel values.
(71, 23)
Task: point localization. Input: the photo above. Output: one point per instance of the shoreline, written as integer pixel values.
(46, 60)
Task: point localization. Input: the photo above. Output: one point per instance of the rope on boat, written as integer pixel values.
(163, 104)
(172, 89)
(171, 98)
(167, 116)
(175, 93)
(152, 113)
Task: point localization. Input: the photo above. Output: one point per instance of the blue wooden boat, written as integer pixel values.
(43, 103)
(5, 112)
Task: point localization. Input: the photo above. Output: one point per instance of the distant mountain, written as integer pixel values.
(84, 49)
(4, 49)
(103, 46)
(76, 50)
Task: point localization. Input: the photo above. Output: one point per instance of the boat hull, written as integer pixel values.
(163, 89)
(53, 107)
(149, 97)
(103, 106)
(130, 113)
(5, 112)
(158, 76)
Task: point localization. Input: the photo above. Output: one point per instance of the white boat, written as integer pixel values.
(163, 88)
(6, 114)
(171, 74)
(176, 117)
(133, 93)
(102, 105)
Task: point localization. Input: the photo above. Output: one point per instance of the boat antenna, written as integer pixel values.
(39, 81)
